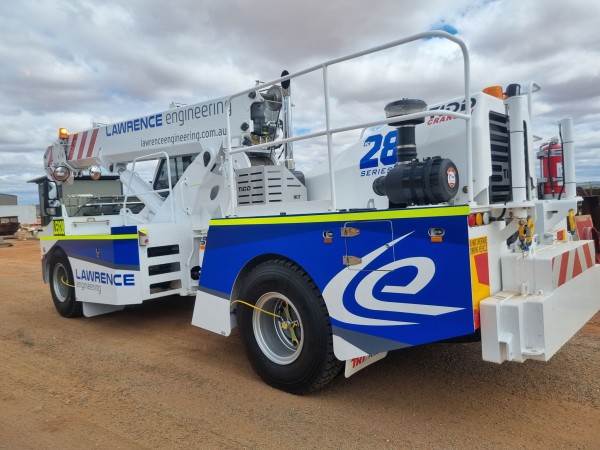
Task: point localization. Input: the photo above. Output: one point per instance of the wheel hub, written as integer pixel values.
(59, 280)
(279, 338)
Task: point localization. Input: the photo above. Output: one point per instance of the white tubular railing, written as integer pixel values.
(170, 190)
(329, 132)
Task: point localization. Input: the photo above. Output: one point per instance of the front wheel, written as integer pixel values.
(286, 333)
(61, 286)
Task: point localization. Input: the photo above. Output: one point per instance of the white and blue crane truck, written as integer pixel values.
(432, 226)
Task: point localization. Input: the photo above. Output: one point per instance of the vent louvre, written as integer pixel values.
(500, 181)
(267, 184)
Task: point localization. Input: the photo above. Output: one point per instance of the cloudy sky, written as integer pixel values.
(71, 63)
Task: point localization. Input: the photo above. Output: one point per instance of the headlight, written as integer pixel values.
(61, 173)
(95, 172)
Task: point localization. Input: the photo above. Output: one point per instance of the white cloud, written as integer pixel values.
(71, 62)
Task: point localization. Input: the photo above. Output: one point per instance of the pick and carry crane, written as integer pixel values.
(432, 226)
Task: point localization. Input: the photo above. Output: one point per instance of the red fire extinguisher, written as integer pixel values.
(551, 165)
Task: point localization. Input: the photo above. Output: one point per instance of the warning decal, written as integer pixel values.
(58, 227)
(451, 173)
(480, 272)
(478, 245)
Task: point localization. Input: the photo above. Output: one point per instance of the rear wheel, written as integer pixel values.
(62, 287)
(287, 335)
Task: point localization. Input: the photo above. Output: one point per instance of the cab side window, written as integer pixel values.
(177, 164)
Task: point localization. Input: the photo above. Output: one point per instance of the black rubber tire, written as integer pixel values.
(310, 365)
(61, 282)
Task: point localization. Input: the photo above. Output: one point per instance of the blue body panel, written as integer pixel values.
(121, 254)
(408, 290)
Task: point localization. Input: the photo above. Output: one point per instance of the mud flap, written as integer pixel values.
(356, 364)
(97, 309)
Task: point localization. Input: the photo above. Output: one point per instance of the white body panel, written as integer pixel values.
(176, 131)
(546, 299)
(438, 136)
(98, 284)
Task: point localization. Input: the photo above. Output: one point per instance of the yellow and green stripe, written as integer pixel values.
(413, 213)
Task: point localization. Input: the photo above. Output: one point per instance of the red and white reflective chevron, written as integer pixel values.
(81, 147)
(572, 263)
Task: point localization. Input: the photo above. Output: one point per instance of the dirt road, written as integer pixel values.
(146, 378)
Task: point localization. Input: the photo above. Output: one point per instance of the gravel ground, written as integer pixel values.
(145, 378)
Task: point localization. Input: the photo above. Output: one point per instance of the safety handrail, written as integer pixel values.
(329, 132)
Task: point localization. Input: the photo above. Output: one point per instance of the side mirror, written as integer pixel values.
(51, 199)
